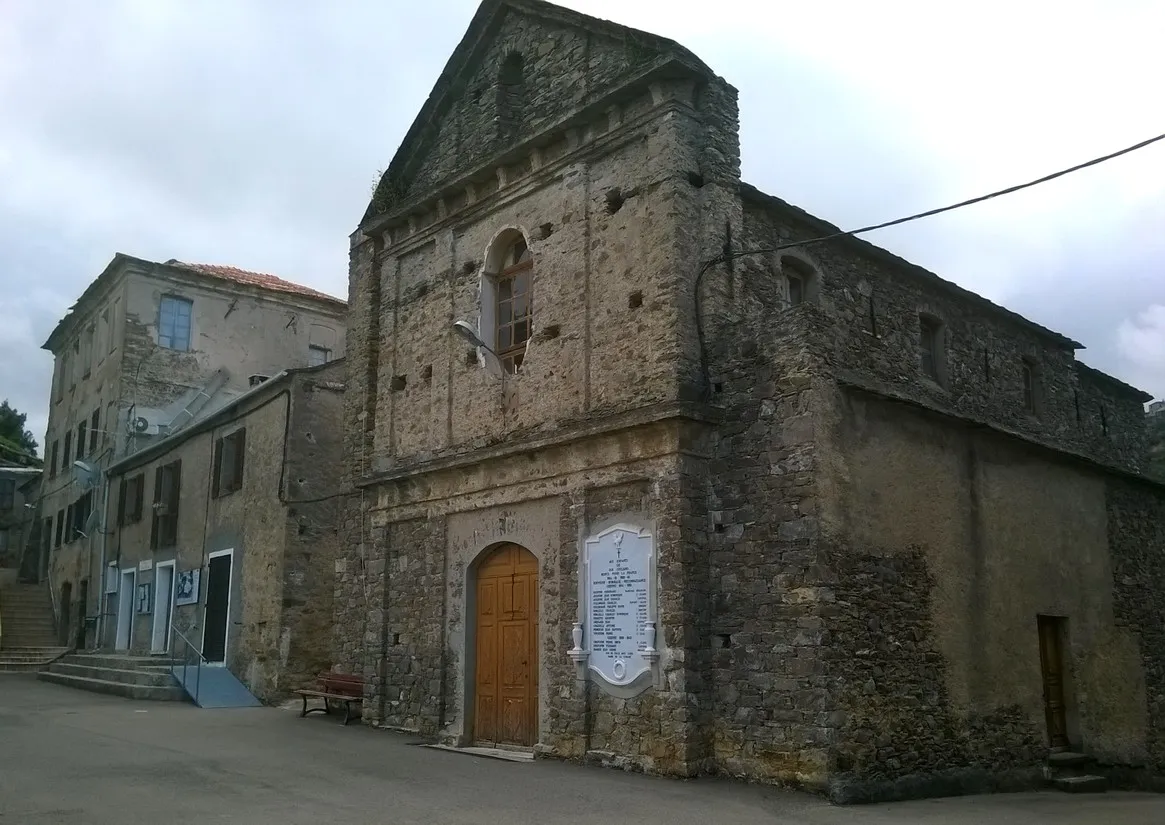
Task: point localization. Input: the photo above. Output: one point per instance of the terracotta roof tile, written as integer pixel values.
(259, 279)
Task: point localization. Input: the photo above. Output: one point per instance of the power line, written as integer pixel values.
(726, 256)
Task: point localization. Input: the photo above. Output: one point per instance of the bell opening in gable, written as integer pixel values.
(511, 96)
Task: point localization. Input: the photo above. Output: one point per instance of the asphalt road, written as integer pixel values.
(72, 757)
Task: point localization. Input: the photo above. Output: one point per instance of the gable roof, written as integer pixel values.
(259, 279)
(115, 269)
(748, 192)
(485, 23)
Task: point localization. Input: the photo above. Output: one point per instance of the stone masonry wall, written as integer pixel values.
(1136, 526)
(873, 304)
(315, 503)
(898, 736)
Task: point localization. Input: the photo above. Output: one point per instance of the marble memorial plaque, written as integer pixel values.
(619, 624)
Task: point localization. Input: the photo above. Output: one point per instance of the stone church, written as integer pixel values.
(648, 474)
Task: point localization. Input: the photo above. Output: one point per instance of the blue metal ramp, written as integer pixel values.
(214, 687)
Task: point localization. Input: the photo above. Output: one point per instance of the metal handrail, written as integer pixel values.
(186, 662)
(53, 597)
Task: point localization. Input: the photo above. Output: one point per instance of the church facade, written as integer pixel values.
(648, 475)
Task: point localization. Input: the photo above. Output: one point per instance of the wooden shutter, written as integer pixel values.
(216, 473)
(172, 515)
(139, 496)
(157, 500)
(240, 451)
(121, 492)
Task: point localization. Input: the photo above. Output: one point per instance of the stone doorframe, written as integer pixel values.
(533, 526)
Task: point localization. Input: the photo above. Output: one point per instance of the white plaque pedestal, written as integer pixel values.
(615, 643)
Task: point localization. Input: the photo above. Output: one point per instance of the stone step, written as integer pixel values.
(146, 677)
(1068, 759)
(1087, 783)
(119, 661)
(21, 639)
(148, 692)
(31, 654)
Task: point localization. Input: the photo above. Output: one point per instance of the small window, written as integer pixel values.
(318, 356)
(930, 347)
(65, 459)
(103, 333)
(70, 522)
(87, 351)
(82, 429)
(799, 280)
(174, 323)
(514, 305)
(94, 427)
(60, 528)
(229, 452)
(796, 290)
(131, 499)
(54, 458)
(82, 508)
(7, 493)
(1030, 390)
(164, 528)
(62, 374)
(75, 360)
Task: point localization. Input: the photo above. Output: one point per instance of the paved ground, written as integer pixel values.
(72, 757)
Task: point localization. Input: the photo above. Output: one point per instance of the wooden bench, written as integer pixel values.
(336, 687)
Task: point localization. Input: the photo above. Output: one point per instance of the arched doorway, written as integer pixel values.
(506, 669)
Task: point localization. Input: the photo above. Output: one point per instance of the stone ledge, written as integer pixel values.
(644, 416)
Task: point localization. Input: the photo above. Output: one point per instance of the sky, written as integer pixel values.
(250, 133)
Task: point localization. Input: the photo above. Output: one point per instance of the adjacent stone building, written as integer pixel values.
(146, 350)
(19, 484)
(648, 473)
(227, 532)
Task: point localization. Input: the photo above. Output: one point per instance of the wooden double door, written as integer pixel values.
(506, 678)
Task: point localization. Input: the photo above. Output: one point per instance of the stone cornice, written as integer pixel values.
(642, 417)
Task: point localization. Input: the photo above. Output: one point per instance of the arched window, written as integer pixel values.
(511, 96)
(513, 303)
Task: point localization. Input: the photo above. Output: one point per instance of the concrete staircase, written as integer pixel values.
(1071, 772)
(134, 677)
(28, 638)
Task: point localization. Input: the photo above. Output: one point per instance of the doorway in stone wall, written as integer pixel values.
(505, 693)
(1052, 631)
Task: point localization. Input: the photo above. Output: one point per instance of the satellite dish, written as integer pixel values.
(86, 475)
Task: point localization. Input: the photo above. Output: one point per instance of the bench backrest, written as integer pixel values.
(347, 684)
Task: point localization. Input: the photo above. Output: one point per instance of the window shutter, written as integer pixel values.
(240, 451)
(121, 491)
(175, 485)
(172, 515)
(140, 499)
(157, 500)
(216, 473)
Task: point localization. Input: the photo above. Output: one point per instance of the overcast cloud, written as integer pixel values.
(249, 132)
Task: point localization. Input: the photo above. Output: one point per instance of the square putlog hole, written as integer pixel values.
(398, 383)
